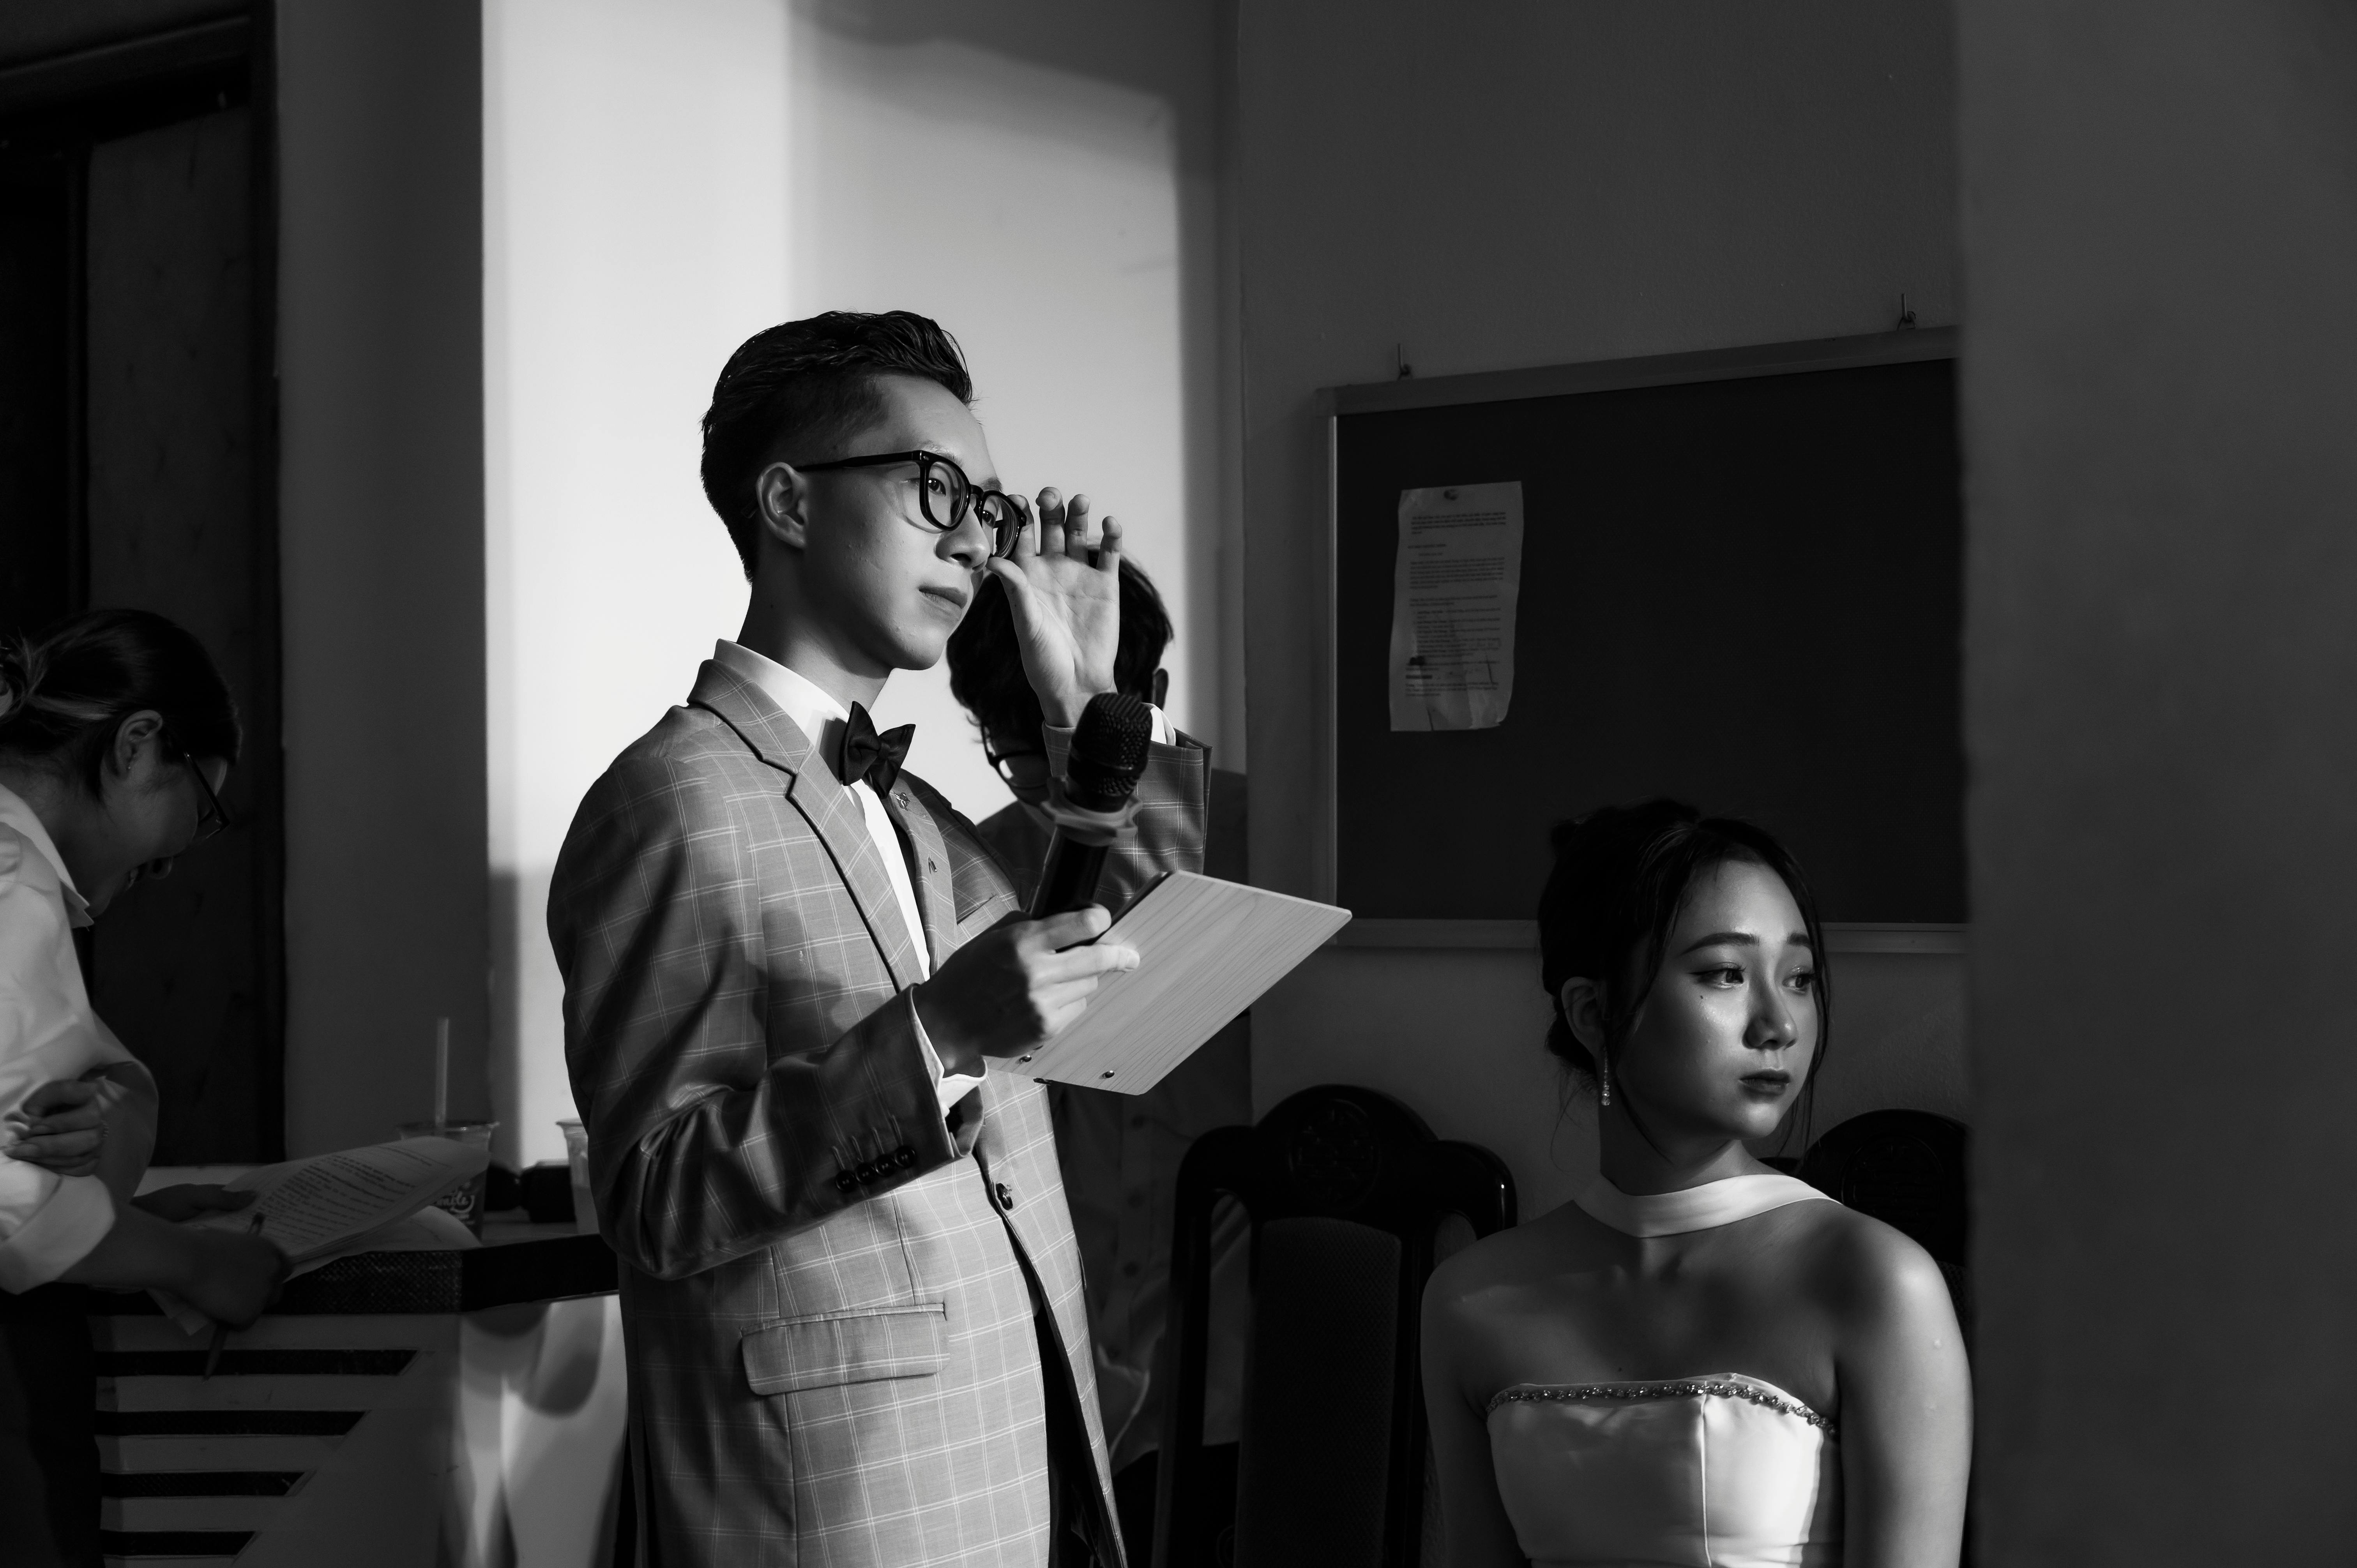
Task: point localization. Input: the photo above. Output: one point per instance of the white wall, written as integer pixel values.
(381, 561)
(635, 227)
(1039, 213)
(1493, 185)
(663, 179)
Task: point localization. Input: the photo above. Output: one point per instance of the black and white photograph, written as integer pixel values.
(1177, 784)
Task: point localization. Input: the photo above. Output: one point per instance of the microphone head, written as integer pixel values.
(1109, 747)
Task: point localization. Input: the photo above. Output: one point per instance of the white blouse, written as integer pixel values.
(48, 1031)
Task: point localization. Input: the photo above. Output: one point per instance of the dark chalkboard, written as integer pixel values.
(1742, 591)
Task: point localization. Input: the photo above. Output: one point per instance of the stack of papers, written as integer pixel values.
(379, 1199)
(333, 1205)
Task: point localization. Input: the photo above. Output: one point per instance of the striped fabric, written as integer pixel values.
(827, 1292)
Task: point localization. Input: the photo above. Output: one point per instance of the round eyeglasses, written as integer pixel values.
(1003, 762)
(214, 819)
(945, 495)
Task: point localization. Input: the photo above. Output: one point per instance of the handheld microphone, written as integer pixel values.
(1091, 804)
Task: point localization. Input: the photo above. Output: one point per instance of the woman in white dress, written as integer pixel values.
(1698, 1360)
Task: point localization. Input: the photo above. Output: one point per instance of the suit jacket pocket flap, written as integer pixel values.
(859, 1347)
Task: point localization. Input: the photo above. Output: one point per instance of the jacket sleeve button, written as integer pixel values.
(845, 1181)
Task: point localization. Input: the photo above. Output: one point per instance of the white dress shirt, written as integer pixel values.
(48, 1031)
(817, 714)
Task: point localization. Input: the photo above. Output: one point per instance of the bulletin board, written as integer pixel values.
(1740, 586)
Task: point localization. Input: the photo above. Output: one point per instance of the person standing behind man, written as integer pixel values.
(1121, 1152)
(851, 1298)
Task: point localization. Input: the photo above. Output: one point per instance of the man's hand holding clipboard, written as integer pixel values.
(1207, 950)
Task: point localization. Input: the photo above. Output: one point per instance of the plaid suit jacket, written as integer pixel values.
(827, 1292)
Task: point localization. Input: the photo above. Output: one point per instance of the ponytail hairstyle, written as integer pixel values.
(64, 695)
(1621, 877)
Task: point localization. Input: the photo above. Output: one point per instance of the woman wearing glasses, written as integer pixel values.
(117, 735)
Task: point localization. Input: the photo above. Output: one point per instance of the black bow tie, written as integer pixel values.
(872, 757)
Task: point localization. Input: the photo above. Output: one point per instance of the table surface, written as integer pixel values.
(518, 1260)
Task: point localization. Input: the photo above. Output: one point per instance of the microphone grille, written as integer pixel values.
(1109, 747)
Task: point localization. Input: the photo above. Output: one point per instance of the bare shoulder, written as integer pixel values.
(1868, 1275)
(1462, 1293)
(1467, 1273)
(1512, 1259)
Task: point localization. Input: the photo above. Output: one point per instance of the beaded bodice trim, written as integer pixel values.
(1672, 1388)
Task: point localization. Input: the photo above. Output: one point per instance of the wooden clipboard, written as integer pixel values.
(1207, 950)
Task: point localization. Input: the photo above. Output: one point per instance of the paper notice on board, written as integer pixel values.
(1453, 593)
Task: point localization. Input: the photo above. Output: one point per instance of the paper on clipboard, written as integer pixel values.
(1207, 950)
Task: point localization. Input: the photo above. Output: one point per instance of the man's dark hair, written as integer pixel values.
(987, 668)
(789, 392)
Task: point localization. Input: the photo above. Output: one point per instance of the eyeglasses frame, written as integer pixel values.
(215, 819)
(1003, 534)
(999, 759)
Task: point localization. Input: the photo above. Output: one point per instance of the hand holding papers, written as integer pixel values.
(378, 1198)
(326, 1204)
(1206, 950)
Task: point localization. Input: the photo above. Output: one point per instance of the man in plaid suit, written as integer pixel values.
(850, 1290)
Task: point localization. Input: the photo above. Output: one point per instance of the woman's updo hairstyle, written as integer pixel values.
(1621, 878)
(63, 695)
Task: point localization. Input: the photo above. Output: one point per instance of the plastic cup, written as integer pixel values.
(577, 1154)
(465, 1202)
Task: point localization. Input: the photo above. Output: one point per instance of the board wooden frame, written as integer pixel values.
(1907, 346)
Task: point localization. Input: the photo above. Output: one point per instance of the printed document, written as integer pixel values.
(379, 1199)
(1454, 587)
(322, 1204)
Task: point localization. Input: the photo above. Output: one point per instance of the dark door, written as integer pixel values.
(137, 410)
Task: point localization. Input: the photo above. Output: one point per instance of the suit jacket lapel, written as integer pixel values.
(930, 865)
(832, 809)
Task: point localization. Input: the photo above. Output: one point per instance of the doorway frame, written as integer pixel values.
(117, 89)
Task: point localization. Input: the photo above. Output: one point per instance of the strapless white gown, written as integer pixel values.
(1719, 1470)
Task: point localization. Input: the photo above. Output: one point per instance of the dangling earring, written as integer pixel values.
(1604, 1080)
